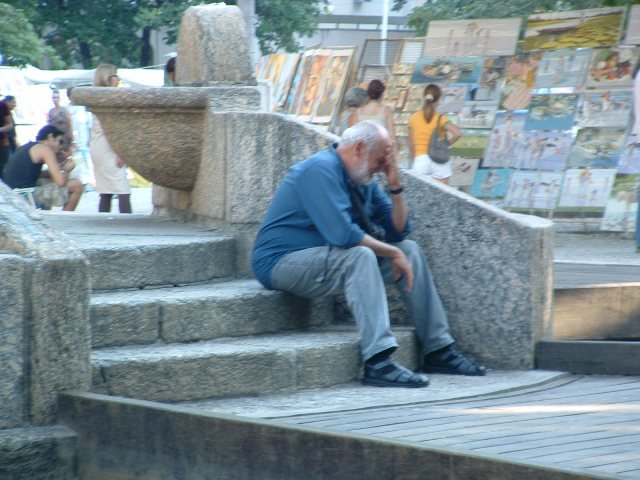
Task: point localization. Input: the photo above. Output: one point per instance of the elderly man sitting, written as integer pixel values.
(53, 187)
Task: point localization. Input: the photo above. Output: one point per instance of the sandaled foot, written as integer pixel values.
(450, 361)
(389, 373)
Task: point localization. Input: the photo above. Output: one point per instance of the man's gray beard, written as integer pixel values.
(359, 174)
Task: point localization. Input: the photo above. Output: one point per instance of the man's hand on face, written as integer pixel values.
(390, 168)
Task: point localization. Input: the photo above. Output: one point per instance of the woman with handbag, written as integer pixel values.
(431, 154)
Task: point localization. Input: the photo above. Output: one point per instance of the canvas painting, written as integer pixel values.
(630, 157)
(447, 70)
(621, 210)
(632, 36)
(281, 89)
(472, 144)
(453, 98)
(490, 182)
(551, 112)
(505, 139)
(298, 83)
(608, 108)
(533, 190)
(586, 187)
(464, 171)
(483, 37)
(490, 85)
(612, 67)
(474, 115)
(540, 150)
(573, 29)
(563, 68)
(333, 85)
(314, 81)
(519, 80)
(597, 147)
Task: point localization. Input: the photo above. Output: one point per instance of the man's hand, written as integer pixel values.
(119, 162)
(400, 267)
(391, 166)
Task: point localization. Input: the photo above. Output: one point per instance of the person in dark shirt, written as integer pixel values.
(6, 130)
(53, 187)
(332, 229)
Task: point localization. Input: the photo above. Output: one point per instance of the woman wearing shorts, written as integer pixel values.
(422, 125)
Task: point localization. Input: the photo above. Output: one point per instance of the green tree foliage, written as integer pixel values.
(19, 43)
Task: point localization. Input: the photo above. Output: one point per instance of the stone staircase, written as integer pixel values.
(171, 322)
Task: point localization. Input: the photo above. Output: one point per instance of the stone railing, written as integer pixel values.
(44, 293)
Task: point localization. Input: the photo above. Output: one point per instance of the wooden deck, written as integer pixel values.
(589, 424)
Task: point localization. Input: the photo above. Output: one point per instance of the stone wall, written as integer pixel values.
(44, 293)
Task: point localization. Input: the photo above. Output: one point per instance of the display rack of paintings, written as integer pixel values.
(484, 37)
(574, 29)
(621, 210)
(333, 84)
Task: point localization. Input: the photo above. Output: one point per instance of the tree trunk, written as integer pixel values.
(85, 53)
(146, 51)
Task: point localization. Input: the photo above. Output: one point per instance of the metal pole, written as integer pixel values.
(383, 33)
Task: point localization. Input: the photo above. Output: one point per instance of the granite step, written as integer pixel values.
(260, 364)
(590, 357)
(199, 312)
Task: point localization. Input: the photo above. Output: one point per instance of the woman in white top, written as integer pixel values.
(110, 170)
(374, 109)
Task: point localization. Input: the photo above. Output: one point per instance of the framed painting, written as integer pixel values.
(563, 68)
(519, 80)
(533, 190)
(453, 98)
(281, 89)
(632, 35)
(551, 112)
(505, 139)
(597, 147)
(294, 97)
(490, 182)
(612, 67)
(630, 157)
(574, 29)
(586, 187)
(490, 84)
(470, 37)
(333, 85)
(540, 150)
(474, 115)
(464, 171)
(447, 70)
(621, 210)
(314, 82)
(472, 144)
(608, 108)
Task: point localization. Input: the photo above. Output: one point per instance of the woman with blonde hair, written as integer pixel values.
(110, 170)
(422, 126)
(374, 109)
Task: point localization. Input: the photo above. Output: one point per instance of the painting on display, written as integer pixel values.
(608, 108)
(472, 144)
(586, 187)
(519, 80)
(453, 98)
(630, 157)
(483, 37)
(621, 210)
(574, 29)
(505, 138)
(612, 67)
(447, 70)
(597, 147)
(314, 81)
(281, 89)
(474, 115)
(464, 171)
(334, 82)
(533, 190)
(540, 150)
(490, 84)
(490, 182)
(551, 112)
(298, 83)
(632, 35)
(563, 68)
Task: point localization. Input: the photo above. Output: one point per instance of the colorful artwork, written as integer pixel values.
(464, 171)
(473, 37)
(281, 89)
(551, 112)
(472, 144)
(575, 29)
(586, 187)
(630, 157)
(563, 68)
(533, 190)
(612, 67)
(540, 150)
(474, 115)
(597, 147)
(505, 139)
(314, 81)
(519, 80)
(609, 108)
(298, 83)
(453, 98)
(447, 70)
(334, 81)
(621, 210)
(490, 85)
(632, 36)
(490, 182)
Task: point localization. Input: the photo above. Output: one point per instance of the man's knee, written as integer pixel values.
(410, 248)
(362, 254)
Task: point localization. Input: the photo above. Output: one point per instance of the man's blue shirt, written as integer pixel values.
(312, 208)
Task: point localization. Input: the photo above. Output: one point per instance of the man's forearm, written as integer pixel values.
(381, 249)
(399, 210)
